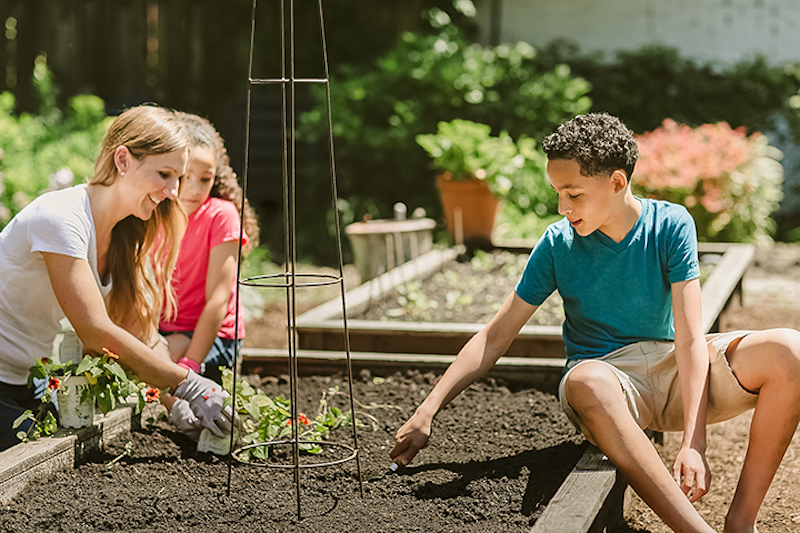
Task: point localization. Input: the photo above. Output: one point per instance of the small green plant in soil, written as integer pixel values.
(109, 385)
(463, 292)
(266, 419)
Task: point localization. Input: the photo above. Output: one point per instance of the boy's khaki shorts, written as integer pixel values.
(648, 374)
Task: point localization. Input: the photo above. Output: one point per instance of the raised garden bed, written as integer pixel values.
(24, 464)
(321, 329)
(497, 456)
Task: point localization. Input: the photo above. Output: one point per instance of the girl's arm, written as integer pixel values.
(691, 352)
(222, 262)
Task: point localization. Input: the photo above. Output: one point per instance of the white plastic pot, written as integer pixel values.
(72, 412)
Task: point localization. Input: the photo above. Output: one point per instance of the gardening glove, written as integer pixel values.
(206, 400)
(182, 417)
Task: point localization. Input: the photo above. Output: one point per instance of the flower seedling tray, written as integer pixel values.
(27, 462)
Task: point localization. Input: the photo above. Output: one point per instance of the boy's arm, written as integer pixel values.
(691, 352)
(476, 357)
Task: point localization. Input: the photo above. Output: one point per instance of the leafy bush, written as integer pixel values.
(47, 151)
(428, 78)
(643, 87)
(729, 181)
(467, 149)
(109, 386)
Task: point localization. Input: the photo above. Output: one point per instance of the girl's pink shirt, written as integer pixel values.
(215, 222)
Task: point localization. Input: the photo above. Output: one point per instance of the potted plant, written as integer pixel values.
(79, 386)
(477, 171)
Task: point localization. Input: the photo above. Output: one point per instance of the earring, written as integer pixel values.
(121, 173)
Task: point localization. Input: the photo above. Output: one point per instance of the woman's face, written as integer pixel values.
(199, 179)
(154, 178)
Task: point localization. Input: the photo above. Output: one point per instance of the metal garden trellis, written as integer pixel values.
(290, 279)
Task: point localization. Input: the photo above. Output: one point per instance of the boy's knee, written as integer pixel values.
(784, 344)
(588, 383)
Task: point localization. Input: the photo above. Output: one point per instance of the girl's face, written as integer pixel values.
(197, 184)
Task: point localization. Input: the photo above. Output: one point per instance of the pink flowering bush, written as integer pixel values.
(729, 181)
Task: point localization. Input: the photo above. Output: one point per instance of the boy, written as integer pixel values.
(627, 270)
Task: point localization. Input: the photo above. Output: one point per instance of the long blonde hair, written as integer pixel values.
(201, 132)
(137, 294)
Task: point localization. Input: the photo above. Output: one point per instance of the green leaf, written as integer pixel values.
(118, 371)
(88, 362)
(27, 415)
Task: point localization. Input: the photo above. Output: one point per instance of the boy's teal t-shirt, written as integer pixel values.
(614, 294)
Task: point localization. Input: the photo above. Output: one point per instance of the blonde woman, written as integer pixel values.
(60, 254)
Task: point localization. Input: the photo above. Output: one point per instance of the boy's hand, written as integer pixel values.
(691, 470)
(410, 439)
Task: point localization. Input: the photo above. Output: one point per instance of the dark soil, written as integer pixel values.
(497, 456)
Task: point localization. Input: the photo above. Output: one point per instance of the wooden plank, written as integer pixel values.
(576, 505)
(264, 354)
(359, 298)
(721, 284)
(543, 373)
(29, 462)
(26, 463)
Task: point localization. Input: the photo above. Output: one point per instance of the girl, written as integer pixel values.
(202, 332)
(59, 255)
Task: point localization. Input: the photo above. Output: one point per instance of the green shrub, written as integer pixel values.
(467, 149)
(643, 87)
(428, 78)
(729, 181)
(47, 151)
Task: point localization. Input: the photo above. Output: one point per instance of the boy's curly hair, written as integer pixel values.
(600, 143)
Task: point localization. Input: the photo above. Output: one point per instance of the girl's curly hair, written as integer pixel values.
(202, 133)
(600, 143)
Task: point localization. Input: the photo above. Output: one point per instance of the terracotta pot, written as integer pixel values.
(470, 209)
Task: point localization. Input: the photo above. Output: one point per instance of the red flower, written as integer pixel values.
(45, 360)
(152, 395)
(54, 384)
(303, 419)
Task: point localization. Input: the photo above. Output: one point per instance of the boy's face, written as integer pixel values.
(589, 203)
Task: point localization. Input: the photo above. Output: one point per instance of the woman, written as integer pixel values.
(59, 255)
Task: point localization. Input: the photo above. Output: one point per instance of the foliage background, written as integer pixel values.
(193, 56)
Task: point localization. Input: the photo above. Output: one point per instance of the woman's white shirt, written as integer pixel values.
(58, 222)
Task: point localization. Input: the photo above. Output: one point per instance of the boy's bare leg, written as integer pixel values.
(767, 362)
(595, 393)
